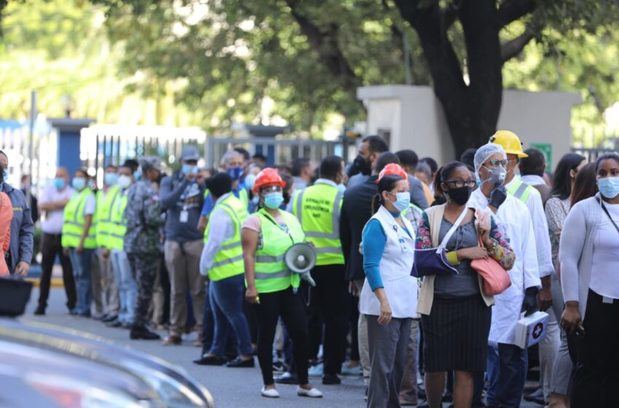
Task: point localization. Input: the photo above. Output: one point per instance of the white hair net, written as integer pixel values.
(484, 153)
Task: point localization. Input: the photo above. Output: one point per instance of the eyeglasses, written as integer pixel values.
(497, 162)
(460, 183)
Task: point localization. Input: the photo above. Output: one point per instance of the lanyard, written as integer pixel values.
(608, 214)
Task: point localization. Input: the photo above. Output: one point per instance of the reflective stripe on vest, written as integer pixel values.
(74, 221)
(228, 261)
(318, 210)
(103, 216)
(271, 273)
(520, 190)
(118, 229)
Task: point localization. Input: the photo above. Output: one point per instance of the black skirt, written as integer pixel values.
(455, 334)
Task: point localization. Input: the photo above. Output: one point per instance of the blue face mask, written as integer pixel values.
(110, 179)
(609, 187)
(79, 183)
(249, 181)
(235, 173)
(5, 174)
(403, 201)
(189, 169)
(273, 200)
(59, 183)
(137, 175)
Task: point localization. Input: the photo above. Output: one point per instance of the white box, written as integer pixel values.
(530, 330)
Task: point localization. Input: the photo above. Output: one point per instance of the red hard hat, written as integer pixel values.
(392, 169)
(268, 177)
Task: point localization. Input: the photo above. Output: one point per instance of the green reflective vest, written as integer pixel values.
(520, 189)
(74, 220)
(119, 226)
(243, 196)
(228, 260)
(318, 209)
(272, 274)
(103, 216)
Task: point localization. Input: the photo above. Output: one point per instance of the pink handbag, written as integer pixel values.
(496, 279)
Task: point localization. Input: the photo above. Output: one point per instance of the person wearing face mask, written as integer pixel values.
(455, 312)
(506, 361)
(318, 209)
(370, 149)
(389, 294)
(126, 284)
(78, 239)
(105, 289)
(589, 256)
(273, 289)
(182, 198)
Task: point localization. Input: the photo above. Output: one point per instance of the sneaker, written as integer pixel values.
(240, 363)
(287, 378)
(40, 311)
(311, 393)
(269, 393)
(142, 333)
(331, 379)
(316, 370)
(172, 340)
(352, 371)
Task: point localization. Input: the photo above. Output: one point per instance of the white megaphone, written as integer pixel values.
(301, 258)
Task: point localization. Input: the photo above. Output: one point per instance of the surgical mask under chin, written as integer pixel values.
(189, 169)
(124, 181)
(110, 179)
(402, 201)
(235, 173)
(609, 187)
(79, 183)
(273, 200)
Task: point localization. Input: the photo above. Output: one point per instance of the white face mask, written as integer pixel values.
(124, 181)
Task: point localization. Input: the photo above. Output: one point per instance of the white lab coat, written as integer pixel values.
(395, 271)
(515, 221)
(540, 228)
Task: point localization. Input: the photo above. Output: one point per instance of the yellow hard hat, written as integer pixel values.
(509, 141)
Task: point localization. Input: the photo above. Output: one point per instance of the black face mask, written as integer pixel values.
(362, 165)
(460, 195)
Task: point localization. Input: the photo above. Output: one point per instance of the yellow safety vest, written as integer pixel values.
(228, 260)
(243, 196)
(520, 189)
(119, 225)
(318, 209)
(103, 215)
(74, 220)
(272, 274)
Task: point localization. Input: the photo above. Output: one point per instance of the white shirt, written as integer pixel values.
(51, 221)
(540, 228)
(533, 180)
(514, 220)
(90, 205)
(604, 275)
(221, 222)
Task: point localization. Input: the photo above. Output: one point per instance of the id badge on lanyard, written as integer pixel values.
(183, 216)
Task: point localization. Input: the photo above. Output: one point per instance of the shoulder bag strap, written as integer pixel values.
(451, 231)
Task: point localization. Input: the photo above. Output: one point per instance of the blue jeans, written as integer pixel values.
(226, 298)
(127, 287)
(507, 370)
(81, 264)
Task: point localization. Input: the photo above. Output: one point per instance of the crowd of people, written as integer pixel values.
(399, 287)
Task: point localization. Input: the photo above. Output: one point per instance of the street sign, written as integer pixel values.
(546, 149)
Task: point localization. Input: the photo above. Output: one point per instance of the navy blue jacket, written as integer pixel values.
(22, 228)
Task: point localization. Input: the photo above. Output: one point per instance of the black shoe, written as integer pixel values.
(109, 318)
(142, 333)
(114, 323)
(40, 311)
(331, 379)
(210, 360)
(287, 378)
(240, 363)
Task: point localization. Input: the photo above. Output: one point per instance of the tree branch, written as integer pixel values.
(324, 42)
(512, 10)
(514, 47)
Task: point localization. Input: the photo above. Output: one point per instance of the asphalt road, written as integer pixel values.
(231, 387)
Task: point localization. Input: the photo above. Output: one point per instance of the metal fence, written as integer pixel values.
(278, 151)
(592, 154)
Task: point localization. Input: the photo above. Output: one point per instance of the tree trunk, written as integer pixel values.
(472, 110)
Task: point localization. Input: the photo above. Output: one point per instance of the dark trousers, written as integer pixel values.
(144, 269)
(50, 247)
(330, 296)
(507, 373)
(289, 306)
(596, 379)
